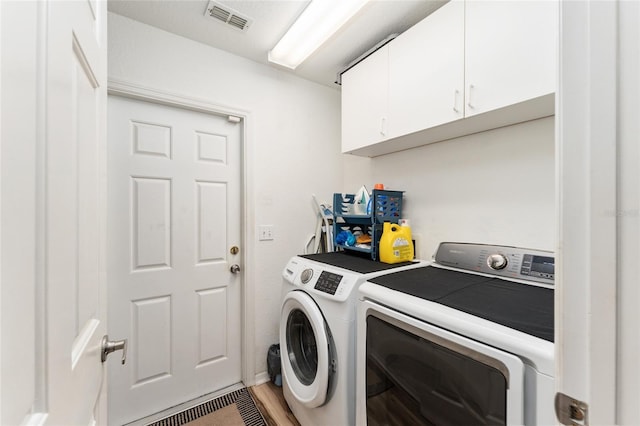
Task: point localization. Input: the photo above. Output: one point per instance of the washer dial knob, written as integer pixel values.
(306, 275)
(497, 261)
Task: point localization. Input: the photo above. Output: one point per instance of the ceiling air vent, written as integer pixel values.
(228, 16)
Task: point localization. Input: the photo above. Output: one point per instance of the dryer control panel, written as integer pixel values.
(503, 261)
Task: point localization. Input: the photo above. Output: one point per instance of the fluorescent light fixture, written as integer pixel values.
(319, 21)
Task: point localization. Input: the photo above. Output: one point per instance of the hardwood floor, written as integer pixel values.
(272, 405)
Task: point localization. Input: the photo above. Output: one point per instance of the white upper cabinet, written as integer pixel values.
(470, 66)
(365, 98)
(510, 53)
(426, 72)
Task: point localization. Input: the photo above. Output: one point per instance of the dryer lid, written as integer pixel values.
(528, 309)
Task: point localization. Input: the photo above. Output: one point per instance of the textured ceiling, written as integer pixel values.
(270, 20)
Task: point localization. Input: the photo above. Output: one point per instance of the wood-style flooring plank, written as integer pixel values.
(272, 405)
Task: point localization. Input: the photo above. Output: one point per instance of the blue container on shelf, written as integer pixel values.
(385, 206)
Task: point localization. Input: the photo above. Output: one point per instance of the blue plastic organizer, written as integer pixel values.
(386, 206)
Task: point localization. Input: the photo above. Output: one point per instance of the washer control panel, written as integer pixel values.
(503, 261)
(333, 283)
(306, 275)
(328, 282)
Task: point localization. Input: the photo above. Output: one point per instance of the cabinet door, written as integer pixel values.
(510, 52)
(426, 72)
(365, 97)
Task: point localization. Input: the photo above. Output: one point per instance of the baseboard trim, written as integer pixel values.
(262, 378)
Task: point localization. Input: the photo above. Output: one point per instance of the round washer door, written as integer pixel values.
(304, 349)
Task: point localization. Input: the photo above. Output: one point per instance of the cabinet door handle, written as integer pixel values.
(455, 100)
(383, 126)
(469, 103)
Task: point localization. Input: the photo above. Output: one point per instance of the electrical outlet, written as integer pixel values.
(266, 233)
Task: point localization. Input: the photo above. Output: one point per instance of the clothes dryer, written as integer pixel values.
(465, 340)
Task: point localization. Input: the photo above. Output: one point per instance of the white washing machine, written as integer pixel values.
(465, 340)
(318, 333)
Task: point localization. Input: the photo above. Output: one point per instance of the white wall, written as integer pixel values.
(20, 342)
(494, 187)
(294, 141)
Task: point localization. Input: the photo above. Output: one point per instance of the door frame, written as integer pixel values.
(588, 199)
(162, 97)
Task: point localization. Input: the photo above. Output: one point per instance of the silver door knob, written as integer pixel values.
(234, 269)
(109, 346)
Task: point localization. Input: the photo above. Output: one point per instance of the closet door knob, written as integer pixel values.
(109, 346)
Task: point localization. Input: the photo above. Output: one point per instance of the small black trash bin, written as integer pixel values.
(273, 364)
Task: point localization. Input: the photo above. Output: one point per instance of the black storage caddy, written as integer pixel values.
(386, 206)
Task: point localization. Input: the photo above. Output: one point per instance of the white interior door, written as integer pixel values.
(174, 216)
(74, 198)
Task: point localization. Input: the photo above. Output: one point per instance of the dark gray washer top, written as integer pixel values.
(352, 262)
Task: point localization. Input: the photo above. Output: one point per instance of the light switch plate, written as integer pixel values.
(266, 233)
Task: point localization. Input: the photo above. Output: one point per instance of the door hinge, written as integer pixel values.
(570, 411)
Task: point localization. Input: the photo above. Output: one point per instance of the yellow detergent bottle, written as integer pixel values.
(395, 243)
